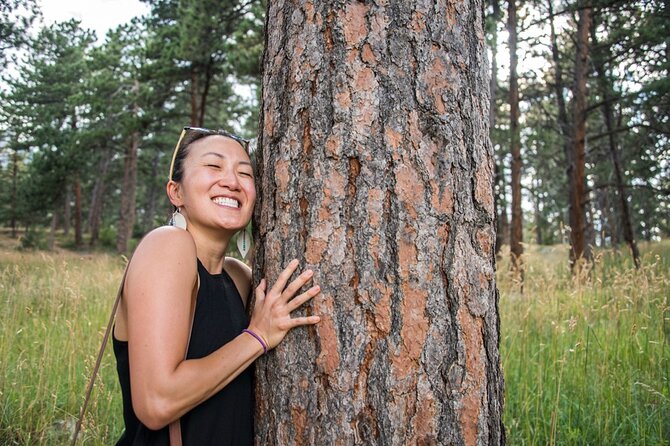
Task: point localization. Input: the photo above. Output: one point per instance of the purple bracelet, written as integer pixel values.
(258, 338)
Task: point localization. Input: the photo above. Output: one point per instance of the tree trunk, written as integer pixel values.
(127, 208)
(608, 115)
(580, 248)
(538, 212)
(14, 194)
(516, 235)
(78, 235)
(152, 195)
(51, 239)
(499, 183)
(67, 209)
(375, 169)
(98, 196)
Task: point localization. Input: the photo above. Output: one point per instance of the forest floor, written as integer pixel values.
(586, 359)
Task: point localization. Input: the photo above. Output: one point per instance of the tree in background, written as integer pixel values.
(375, 169)
(44, 106)
(516, 235)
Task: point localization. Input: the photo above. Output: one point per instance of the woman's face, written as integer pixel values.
(217, 188)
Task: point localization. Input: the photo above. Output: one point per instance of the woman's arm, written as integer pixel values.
(158, 297)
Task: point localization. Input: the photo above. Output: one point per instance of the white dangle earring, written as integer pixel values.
(178, 219)
(243, 242)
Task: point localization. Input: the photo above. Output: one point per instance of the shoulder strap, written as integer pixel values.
(175, 426)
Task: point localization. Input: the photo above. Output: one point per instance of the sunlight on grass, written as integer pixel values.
(55, 307)
(587, 359)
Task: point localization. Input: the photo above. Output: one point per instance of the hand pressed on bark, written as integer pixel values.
(271, 318)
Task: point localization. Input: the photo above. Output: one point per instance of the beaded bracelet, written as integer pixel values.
(258, 338)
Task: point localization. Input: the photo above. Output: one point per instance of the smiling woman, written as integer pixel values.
(182, 339)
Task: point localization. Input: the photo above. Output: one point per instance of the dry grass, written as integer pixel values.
(587, 358)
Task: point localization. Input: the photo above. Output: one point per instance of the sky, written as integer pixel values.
(99, 15)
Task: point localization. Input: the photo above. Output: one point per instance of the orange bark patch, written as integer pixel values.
(485, 239)
(355, 28)
(475, 379)
(314, 250)
(409, 188)
(365, 80)
(392, 137)
(374, 208)
(423, 422)
(437, 83)
(367, 55)
(334, 146)
(414, 322)
(343, 98)
(418, 22)
(299, 418)
(282, 176)
(329, 357)
(483, 187)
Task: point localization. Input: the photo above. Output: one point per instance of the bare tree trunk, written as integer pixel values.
(499, 182)
(516, 235)
(538, 212)
(580, 248)
(97, 197)
(563, 118)
(51, 239)
(608, 115)
(14, 193)
(67, 209)
(376, 171)
(78, 235)
(127, 208)
(152, 196)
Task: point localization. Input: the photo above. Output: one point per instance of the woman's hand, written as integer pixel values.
(271, 318)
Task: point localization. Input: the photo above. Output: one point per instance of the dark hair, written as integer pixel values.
(182, 152)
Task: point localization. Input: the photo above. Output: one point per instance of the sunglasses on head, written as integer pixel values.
(205, 132)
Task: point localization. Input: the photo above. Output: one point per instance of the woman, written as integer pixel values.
(177, 277)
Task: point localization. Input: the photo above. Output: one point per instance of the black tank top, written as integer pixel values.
(227, 417)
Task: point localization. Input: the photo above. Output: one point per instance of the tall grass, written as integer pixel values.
(54, 307)
(587, 358)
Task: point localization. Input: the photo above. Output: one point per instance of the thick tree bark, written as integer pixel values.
(376, 170)
(580, 248)
(608, 115)
(516, 235)
(127, 208)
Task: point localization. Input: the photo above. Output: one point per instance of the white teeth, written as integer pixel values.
(225, 201)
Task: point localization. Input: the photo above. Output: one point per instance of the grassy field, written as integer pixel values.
(587, 360)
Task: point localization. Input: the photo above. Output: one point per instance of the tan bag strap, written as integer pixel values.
(175, 426)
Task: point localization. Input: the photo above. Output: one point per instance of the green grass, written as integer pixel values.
(586, 360)
(53, 314)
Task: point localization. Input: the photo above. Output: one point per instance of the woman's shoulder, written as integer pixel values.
(165, 246)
